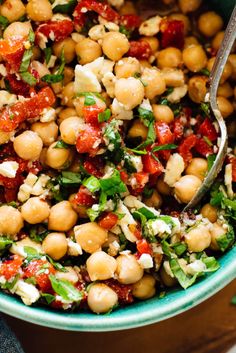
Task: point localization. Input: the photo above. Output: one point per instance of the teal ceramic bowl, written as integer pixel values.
(140, 313)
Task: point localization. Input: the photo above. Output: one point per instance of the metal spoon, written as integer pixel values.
(214, 79)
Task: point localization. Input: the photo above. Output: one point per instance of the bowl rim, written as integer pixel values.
(148, 312)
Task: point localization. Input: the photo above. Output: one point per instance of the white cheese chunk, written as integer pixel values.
(97, 32)
(173, 77)
(17, 248)
(74, 249)
(8, 169)
(109, 81)
(7, 98)
(151, 26)
(177, 94)
(28, 292)
(59, 2)
(146, 105)
(145, 261)
(229, 180)
(127, 222)
(86, 80)
(174, 168)
(3, 70)
(119, 111)
(132, 202)
(47, 115)
(195, 267)
(137, 163)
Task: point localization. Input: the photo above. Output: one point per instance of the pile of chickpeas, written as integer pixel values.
(169, 67)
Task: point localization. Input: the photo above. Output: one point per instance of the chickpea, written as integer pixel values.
(197, 88)
(41, 69)
(101, 298)
(48, 132)
(101, 266)
(169, 57)
(62, 217)
(189, 41)
(210, 212)
(198, 239)
(58, 158)
(189, 5)
(232, 60)
(66, 113)
(228, 69)
(11, 220)
(162, 187)
(144, 288)
(90, 236)
(167, 279)
(127, 67)
(39, 10)
(187, 187)
(225, 106)
(129, 91)
(154, 201)
(163, 113)
(154, 83)
(128, 269)
(209, 23)
(35, 210)
(55, 245)
(183, 18)
(145, 64)
(173, 77)
(197, 167)
(70, 275)
(4, 137)
(153, 42)
(115, 45)
(28, 145)
(12, 10)
(70, 128)
(225, 90)
(194, 58)
(68, 46)
(79, 209)
(87, 51)
(17, 29)
(231, 129)
(216, 41)
(128, 8)
(216, 233)
(68, 93)
(138, 129)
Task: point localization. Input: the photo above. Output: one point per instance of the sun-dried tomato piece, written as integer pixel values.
(18, 87)
(94, 166)
(30, 108)
(10, 268)
(130, 21)
(54, 30)
(40, 271)
(11, 51)
(108, 220)
(203, 148)
(140, 50)
(143, 247)
(233, 162)
(177, 129)
(208, 129)
(151, 165)
(185, 148)
(163, 133)
(172, 33)
(89, 140)
(101, 8)
(124, 291)
(90, 114)
(84, 197)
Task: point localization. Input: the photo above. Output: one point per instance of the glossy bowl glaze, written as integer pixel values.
(140, 313)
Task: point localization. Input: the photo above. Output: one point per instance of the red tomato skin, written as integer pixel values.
(10, 268)
(102, 9)
(30, 108)
(60, 29)
(140, 50)
(172, 33)
(207, 129)
(178, 129)
(163, 133)
(203, 148)
(142, 178)
(87, 138)
(150, 165)
(18, 87)
(232, 160)
(143, 247)
(185, 148)
(84, 197)
(12, 50)
(42, 279)
(94, 166)
(108, 221)
(130, 21)
(90, 114)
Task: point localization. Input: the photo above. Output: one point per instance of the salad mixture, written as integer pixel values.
(105, 134)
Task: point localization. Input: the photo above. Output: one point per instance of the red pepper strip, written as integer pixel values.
(185, 148)
(12, 116)
(208, 130)
(140, 50)
(12, 50)
(172, 33)
(55, 30)
(101, 8)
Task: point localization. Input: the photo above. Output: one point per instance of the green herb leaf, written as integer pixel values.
(211, 263)
(206, 139)
(48, 54)
(31, 36)
(164, 147)
(70, 179)
(32, 253)
(104, 116)
(125, 31)
(210, 161)
(56, 265)
(48, 297)
(52, 78)
(151, 137)
(179, 248)
(205, 109)
(146, 116)
(65, 8)
(5, 243)
(3, 22)
(28, 78)
(10, 284)
(26, 60)
(113, 185)
(184, 280)
(205, 72)
(65, 289)
(61, 144)
(93, 214)
(233, 300)
(92, 184)
(38, 233)
(112, 134)
(226, 240)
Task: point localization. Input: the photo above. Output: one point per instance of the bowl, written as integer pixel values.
(140, 313)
